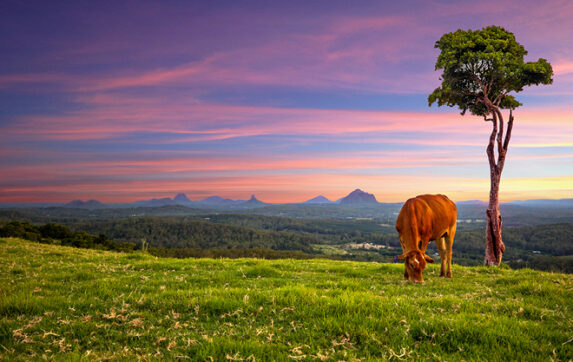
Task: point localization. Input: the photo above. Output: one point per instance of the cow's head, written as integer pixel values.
(415, 262)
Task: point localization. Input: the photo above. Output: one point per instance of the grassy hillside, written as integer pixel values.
(66, 303)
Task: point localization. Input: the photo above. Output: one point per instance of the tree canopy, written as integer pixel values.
(481, 68)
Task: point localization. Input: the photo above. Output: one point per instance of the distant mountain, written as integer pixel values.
(216, 201)
(318, 200)
(181, 199)
(90, 204)
(165, 201)
(472, 202)
(160, 202)
(252, 202)
(219, 202)
(19, 205)
(358, 197)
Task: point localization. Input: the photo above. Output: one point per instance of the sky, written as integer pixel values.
(127, 100)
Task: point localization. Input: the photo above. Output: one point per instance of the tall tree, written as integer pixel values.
(480, 70)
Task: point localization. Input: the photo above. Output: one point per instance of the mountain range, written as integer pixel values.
(318, 200)
(355, 198)
(179, 199)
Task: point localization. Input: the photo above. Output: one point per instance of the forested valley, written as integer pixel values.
(544, 247)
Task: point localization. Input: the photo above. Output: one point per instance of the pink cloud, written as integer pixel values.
(156, 77)
(563, 67)
(10, 80)
(179, 123)
(221, 120)
(170, 165)
(269, 174)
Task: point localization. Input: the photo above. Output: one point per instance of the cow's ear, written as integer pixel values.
(428, 259)
(401, 257)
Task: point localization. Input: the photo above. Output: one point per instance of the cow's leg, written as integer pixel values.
(423, 247)
(441, 244)
(406, 276)
(449, 243)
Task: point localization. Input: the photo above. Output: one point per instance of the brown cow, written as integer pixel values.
(425, 218)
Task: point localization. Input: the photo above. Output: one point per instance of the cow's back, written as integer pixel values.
(444, 212)
(414, 221)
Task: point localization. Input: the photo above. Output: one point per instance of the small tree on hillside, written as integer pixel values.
(480, 69)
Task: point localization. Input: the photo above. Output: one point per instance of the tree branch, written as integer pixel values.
(503, 151)
(498, 99)
(482, 84)
(509, 127)
(500, 149)
(490, 148)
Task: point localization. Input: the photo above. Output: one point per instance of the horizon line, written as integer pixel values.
(247, 199)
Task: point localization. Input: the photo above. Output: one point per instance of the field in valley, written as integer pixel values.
(66, 303)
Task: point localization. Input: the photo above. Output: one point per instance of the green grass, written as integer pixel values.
(74, 304)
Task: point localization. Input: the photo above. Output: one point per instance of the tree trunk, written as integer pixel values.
(494, 247)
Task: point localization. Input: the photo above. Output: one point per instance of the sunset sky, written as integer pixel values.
(126, 100)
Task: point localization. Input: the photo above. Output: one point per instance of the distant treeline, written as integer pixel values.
(53, 233)
(196, 234)
(334, 231)
(56, 234)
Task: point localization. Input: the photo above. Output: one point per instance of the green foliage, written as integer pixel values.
(22, 230)
(481, 67)
(55, 231)
(61, 303)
